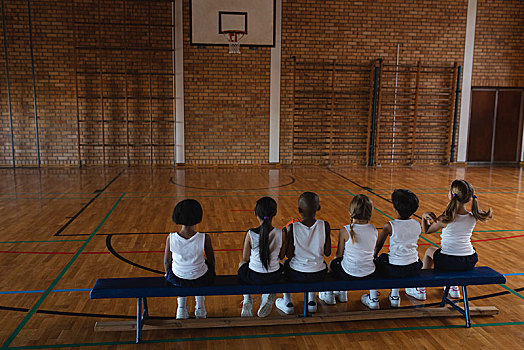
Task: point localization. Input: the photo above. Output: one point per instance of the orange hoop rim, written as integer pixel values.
(233, 35)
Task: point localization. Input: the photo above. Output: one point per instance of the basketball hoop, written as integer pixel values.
(233, 37)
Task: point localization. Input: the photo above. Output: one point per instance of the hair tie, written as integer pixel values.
(266, 217)
(454, 195)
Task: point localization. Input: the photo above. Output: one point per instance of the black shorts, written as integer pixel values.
(297, 276)
(205, 280)
(446, 262)
(249, 276)
(339, 272)
(384, 268)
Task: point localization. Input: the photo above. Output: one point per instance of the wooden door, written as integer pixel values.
(481, 125)
(507, 135)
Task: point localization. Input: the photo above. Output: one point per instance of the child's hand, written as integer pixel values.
(429, 217)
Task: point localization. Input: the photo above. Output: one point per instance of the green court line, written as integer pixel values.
(270, 335)
(49, 289)
(51, 241)
(512, 291)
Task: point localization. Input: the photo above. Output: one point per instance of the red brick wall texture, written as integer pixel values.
(119, 58)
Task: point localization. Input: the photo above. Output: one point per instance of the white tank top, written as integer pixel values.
(358, 258)
(403, 242)
(188, 255)
(456, 236)
(275, 243)
(309, 247)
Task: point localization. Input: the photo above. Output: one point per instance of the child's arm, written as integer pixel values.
(246, 253)
(282, 253)
(210, 253)
(430, 223)
(290, 244)
(327, 242)
(168, 259)
(342, 239)
(386, 231)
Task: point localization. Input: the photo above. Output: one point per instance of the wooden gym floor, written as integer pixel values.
(64, 228)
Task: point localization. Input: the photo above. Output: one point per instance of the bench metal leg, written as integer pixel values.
(466, 306)
(138, 320)
(464, 311)
(445, 296)
(305, 304)
(145, 314)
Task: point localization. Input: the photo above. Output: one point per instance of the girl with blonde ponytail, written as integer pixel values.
(457, 223)
(356, 244)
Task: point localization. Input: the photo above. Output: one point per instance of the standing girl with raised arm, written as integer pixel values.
(457, 223)
(263, 249)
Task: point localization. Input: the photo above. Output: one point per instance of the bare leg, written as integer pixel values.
(242, 262)
(427, 262)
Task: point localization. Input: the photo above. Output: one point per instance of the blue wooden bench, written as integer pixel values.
(145, 287)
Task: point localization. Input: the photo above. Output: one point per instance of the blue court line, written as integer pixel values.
(513, 274)
(39, 302)
(42, 290)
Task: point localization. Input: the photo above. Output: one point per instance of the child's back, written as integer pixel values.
(357, 260)
(403, 241)
(188, 255)
(309, 247)
(275, 243)
(456, 236)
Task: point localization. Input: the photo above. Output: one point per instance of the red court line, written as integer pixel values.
(216, 250)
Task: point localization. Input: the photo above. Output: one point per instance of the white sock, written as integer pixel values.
(395, 293)
(373, 294)
(311, 296)
(287, 298)
(200, 302)
(181, 301)
(247, 298)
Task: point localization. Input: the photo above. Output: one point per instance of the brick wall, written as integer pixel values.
(499, 44)
(227, 96)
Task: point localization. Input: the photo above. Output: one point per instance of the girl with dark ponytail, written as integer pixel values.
(263, 249)
(457, 224)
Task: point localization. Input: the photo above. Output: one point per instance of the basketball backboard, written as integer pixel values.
(210, 18)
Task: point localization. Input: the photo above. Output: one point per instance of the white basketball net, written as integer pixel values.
(233, 37)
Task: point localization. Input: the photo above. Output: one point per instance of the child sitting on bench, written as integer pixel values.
(308, 240)
(356, 244)
(184, 257)
(457, 224)
(264, 247)
(402, 260)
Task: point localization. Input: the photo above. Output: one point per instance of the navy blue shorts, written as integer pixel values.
(384, 268)
(205, 280)
(297, 276)
(446, 262)
(339, 272)
(249, 276)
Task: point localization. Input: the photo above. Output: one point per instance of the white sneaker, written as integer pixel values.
(341, 296)
(394, 300)
(200, 312)
(312, 306)
(327, 297)
(371, 303)
(181, 313)
(247, 308)
(417, 293)
(266, 304)
(288, 308)
(454, 292)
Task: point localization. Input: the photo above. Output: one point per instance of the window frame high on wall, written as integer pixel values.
(101, 72)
